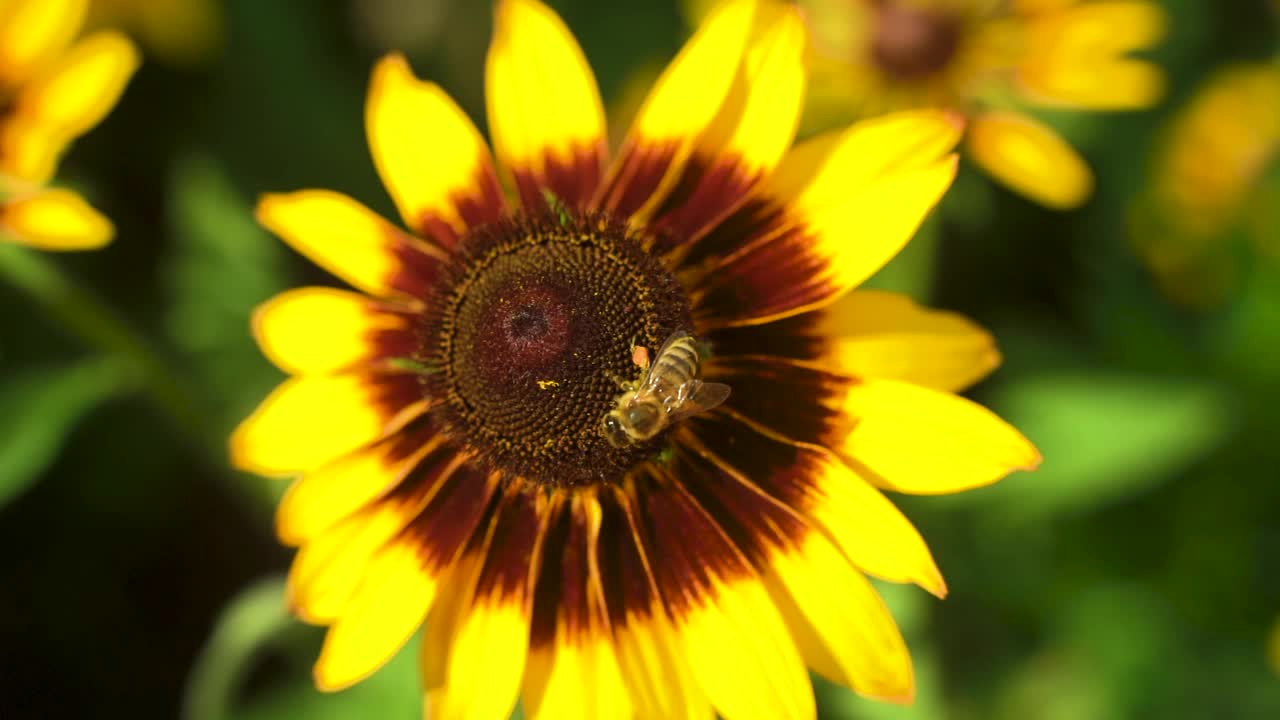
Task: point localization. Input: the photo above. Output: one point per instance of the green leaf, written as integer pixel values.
(223, 265)
(1104, 436)
(41, 408)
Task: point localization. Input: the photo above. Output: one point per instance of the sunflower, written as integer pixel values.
(53, 88)
(446, 425)
(982, 58)
(1209, 178)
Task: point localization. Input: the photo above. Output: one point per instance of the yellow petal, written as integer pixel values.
(875, 181)
(29, 152)
(690, 91)
(873, 533)
(323, 497)
(680, 106)
(430, 156)
(575, 679)
(345, 238)
(77, 91)
(545, 113)
(327, 570)
(814, 482)
(874, 334)
(33, 32)
(743, 656)
(657, 673)
(825, 170)
(308, 421)
(385, 610)
(485, 661)
(1075, 57)
(475, 648)
(759, 116)
(749, 135)
(55, 220)
(1031, 159)
(843, 628)
(924, 441)
(803, 259)
(322, 330)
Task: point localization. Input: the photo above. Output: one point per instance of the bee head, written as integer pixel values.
(613, 431)
(644, 419)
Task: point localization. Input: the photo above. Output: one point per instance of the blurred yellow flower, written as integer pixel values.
(178, 32)
(53, 88)
(1207, 179)
(984, 57)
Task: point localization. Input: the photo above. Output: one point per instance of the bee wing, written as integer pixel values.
(703, 397)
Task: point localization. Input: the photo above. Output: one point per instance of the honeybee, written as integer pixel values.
(668, 390)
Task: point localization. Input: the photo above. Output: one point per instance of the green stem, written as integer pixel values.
(101, 329)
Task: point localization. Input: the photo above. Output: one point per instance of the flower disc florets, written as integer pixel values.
(531, 337)
(913, 43)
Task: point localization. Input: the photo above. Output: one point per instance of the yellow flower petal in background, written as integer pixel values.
(33, 32)
(321, 330)
(923, 441)
(55, 220)
(1029, 158)
(429, 155)
(75, 92)
(63, 101)
(534, 62)
(1076, 57)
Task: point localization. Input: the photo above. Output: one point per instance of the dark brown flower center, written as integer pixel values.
(913, 43)
(532, 335)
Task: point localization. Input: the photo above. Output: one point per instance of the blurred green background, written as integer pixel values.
(1136, 575)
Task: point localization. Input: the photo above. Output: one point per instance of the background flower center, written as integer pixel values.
(913, 43)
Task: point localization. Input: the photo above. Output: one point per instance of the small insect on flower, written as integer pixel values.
(668, 390)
